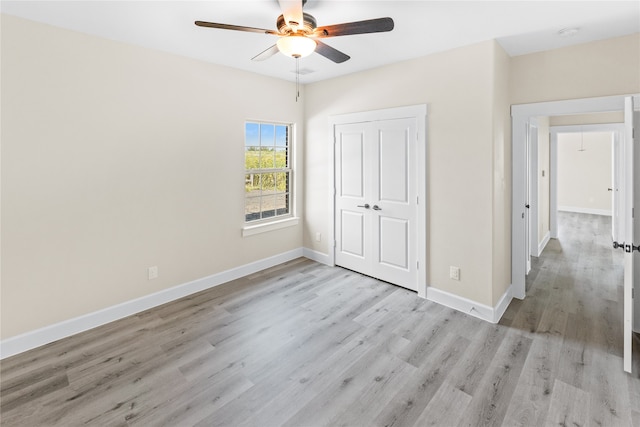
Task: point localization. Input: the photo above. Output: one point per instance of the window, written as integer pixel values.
(267, 178)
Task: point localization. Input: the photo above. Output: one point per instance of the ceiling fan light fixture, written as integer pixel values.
(296, 45)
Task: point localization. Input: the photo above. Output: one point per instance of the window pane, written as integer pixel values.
(252, 157)
(252, 185)
(281, 158)
(282, 182)
(251, 134)
(281, 136)
(268, 183)
(268, 206)
(282, 204)
(252, 208)
(267, 156)
(267, 135)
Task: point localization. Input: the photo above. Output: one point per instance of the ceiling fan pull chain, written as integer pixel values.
(297, 78)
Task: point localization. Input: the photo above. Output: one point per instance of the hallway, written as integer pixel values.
(574, 296)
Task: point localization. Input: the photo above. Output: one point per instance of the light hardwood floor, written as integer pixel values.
(303, 344)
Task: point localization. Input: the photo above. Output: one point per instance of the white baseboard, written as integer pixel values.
(316, 256)
(544, 242)
(605, 212)
(51, 333)
(481, 311)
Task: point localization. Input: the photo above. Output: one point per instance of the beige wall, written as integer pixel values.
(501, 253)
(602, 68)
(458, 87)
(543, 178)
(584, 176)
(587, 119)
(116, 158)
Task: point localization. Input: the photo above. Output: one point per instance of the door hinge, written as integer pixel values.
(417, 265)
(335, 243)
(417, 200)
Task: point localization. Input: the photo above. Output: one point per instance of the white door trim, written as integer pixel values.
(520, 115)
(419, 112)
(534, 239)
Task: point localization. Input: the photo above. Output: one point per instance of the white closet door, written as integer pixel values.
(353, 248)
(376, 199)
(394, 202)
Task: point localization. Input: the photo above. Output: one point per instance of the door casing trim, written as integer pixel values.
(520, 116)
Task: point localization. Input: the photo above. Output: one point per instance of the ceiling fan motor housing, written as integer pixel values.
(308, 26)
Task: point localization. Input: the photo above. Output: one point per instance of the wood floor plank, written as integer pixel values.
(575, 357)
(356, 392)
(312, 377)
(609, 404)
(446, 407)
(494, 393)
(532, 395)
(193, 404)
(410, 402)
(569, 406)
(477, 358)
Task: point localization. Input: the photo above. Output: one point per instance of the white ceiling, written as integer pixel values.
(421, 27)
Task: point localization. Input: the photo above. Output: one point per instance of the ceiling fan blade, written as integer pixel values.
(235, 27)
(330, 53)
(292, 12)
(378, 25)
(266, 54)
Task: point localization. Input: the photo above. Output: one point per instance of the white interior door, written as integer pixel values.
(630, 236)
(394, 209)
(351, 202)
(376, 199)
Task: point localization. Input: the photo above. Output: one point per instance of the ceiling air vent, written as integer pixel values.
(303, 71)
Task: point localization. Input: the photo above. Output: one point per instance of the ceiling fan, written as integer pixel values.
(299, 35)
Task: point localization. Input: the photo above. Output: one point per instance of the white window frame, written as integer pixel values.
(280, 221)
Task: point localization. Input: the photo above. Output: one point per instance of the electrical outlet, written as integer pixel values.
(153, 272)
(318, 237)
(454, 272)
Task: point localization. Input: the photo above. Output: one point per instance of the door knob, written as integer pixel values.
(377, 208)
(609, 189)
(366, 206)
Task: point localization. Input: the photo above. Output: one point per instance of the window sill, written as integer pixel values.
(250, 230)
